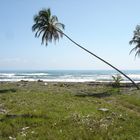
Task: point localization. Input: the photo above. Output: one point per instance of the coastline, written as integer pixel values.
(89, 83)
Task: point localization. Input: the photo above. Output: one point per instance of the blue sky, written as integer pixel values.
(105, 27)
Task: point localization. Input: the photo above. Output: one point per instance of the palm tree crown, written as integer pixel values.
(136, 40)
(48, 26)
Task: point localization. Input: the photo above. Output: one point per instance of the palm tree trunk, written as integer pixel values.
(101, 60)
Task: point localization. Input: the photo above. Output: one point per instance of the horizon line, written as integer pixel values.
(67, 70)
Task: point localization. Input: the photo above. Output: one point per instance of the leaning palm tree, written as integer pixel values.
(51, 29)
(136, 40)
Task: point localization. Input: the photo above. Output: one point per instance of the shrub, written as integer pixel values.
(116, 80)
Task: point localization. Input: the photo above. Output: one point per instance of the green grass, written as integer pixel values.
(68, 111)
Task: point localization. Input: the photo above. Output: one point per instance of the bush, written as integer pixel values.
(116, 80)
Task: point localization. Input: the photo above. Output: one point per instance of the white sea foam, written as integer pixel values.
(135, 76)
(35, 74)
(7, 74)
(66, 76)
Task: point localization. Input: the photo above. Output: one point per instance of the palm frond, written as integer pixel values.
(134, 49)
(43, 37)
(54, 19)
(44, 14)
(138, 28)
(60, 25)
(137, 53)
(136, 40)
(114, 78)
(39, 32)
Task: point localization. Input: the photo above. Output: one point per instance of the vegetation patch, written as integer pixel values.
(66, 111)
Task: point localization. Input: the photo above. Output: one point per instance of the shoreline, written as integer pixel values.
(82, 76)
(67, 81)
(91, 83)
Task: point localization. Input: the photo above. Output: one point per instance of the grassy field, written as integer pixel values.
(68, 111)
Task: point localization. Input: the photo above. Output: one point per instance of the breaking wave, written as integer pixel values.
(68, 76)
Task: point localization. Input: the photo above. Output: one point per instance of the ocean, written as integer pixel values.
(67, 75)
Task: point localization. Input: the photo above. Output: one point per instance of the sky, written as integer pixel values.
(104, 27)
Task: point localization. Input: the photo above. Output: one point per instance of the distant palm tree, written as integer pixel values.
(136, 40)
(48, 26)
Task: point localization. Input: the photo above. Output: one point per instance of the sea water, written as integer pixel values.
(67, 75)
